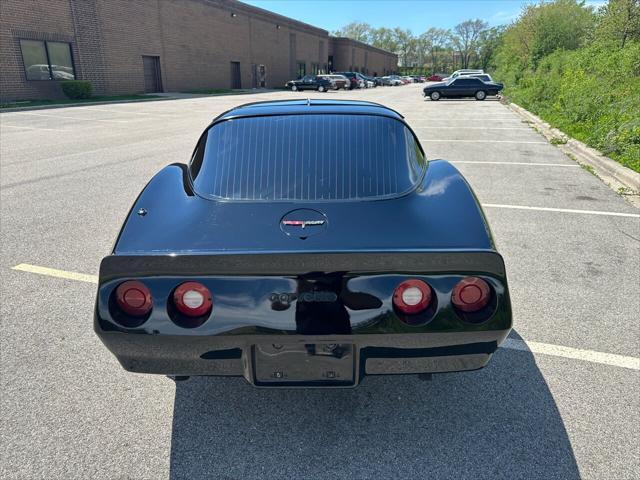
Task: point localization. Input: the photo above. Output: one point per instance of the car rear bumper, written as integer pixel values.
(296, 360)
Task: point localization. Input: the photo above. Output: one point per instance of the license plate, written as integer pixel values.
(304, 364)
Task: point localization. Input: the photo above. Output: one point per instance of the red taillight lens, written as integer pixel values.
(192, 299)
(134, 298)
(412, 296)
(471, 294)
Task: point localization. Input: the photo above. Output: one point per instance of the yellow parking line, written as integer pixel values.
(52, 272)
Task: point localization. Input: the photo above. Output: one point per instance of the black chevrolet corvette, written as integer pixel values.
(306, 243)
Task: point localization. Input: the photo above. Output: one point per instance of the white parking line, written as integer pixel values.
(95, 109)
(75, 118)
(574, 353)
(438, 115)
(512, 344)
(472, 128)
(126, 111)
(520, 163)
(562, 210)
(3, 125)
(453, 140)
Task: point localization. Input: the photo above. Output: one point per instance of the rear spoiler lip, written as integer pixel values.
(297, 263)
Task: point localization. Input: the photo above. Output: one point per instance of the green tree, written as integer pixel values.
(359, 31)
(564, 24)
(385, 39)
(544, 28)
(434, 42)
(488, 44)
(406, 47)
(620, 21)
(465, 38)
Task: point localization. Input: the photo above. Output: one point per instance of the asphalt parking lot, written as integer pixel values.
(565, 407)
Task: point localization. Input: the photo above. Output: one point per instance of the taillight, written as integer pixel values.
(192, 299)
(134, 298)
(471, 294)
(412, 296)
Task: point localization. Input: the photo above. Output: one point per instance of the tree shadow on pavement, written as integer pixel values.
(499, 422)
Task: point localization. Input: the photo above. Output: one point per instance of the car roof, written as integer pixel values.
(307, 106)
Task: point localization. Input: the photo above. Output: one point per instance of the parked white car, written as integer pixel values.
(391, 80)
(464, 71)
(485, 77)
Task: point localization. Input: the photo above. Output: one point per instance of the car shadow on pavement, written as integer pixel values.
(471, 99)
(499, 422)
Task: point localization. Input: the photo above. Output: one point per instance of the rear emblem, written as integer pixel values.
(303, 223)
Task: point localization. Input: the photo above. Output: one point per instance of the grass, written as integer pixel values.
(625, 191)
(589, 169)
(591, 94)
(102, 98)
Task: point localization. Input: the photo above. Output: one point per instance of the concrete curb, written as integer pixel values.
(618, 177)
(82, 104)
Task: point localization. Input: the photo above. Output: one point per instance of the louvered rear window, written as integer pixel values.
(307, 157)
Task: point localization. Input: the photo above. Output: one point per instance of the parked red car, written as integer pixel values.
(437, 77)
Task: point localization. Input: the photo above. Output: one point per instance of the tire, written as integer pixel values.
(294, 88)
(481, 95)
(346, 87)
(435, 96)
(321, 88)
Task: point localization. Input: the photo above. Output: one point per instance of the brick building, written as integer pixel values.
(347, 55)
(133, 46)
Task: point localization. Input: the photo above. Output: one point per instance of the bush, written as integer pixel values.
(77, 89)
(592, 94)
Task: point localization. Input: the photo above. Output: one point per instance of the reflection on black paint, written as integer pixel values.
(328, 315)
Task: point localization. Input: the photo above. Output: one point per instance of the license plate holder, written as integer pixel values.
(304, 364)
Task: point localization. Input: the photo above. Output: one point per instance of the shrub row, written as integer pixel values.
(592, 94)
(77, 89)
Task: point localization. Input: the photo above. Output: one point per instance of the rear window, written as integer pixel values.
(307, 157)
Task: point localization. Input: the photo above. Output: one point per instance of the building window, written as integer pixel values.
(47, 60)
(315, 68)
(302, 69)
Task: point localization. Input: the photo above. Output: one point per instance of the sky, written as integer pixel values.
(416, 15)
